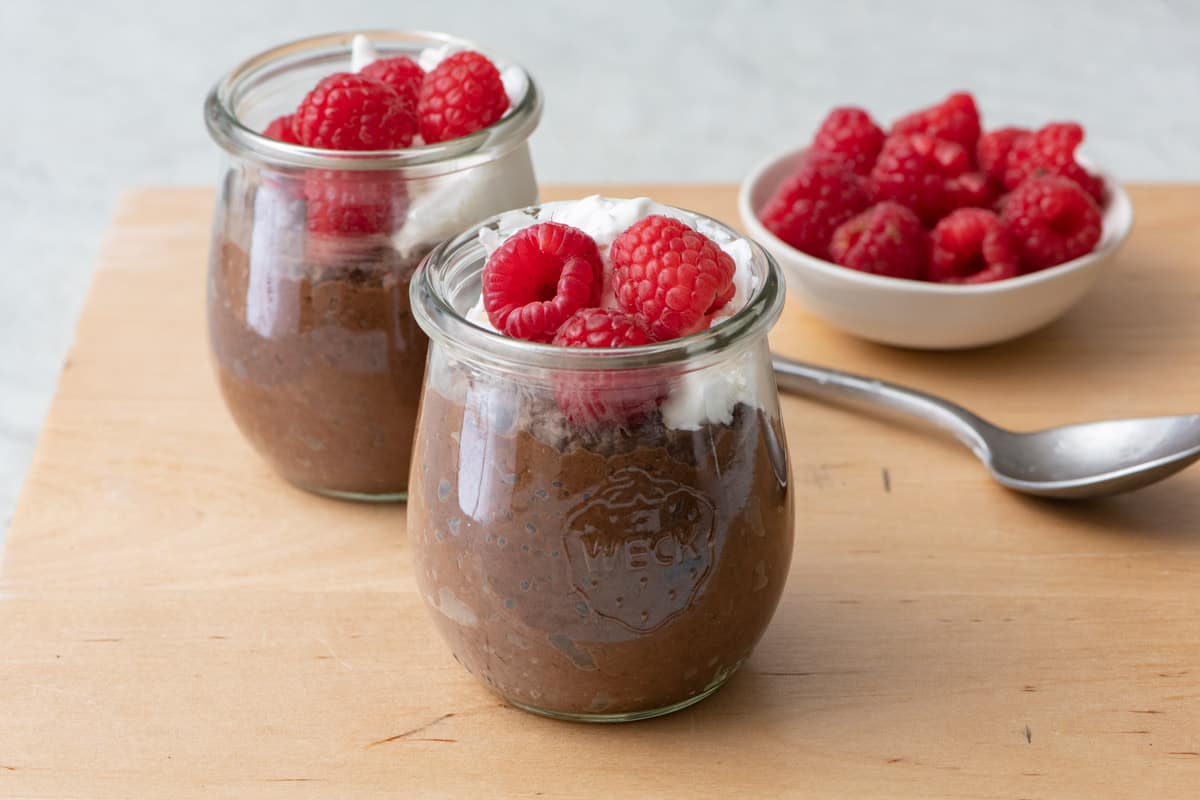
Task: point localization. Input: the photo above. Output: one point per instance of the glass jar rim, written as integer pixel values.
(443, 323)
(228, 130)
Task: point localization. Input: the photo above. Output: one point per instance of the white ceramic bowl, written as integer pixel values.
(931, 316)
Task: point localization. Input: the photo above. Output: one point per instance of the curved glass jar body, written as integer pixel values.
(598, 570)
(316, 350)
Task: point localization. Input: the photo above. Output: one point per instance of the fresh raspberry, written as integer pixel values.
(1050, 151)
(955, 119)
(971, 245)
(993, 149)
(676, 278)
(916, 171)
(401, 73)
(1052, 220)
(808, 206)
(591, 397)
(724, 297)
(852, 135)
(280, 130)
(971, 190)
(352, 112)
(602, 328)
(539, 277)
(886, 239)
(348, 203)
(459, 96)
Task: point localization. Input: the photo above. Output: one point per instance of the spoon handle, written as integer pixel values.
(831, 384)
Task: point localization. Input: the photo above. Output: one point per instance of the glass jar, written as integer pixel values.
(316, 350)
(599, 535)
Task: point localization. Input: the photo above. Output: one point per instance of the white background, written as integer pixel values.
(98, 96)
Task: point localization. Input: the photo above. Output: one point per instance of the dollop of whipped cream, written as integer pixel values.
(705, 395)
(362, 53)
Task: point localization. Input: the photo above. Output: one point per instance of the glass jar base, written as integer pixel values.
(631, 716)
(358, 497)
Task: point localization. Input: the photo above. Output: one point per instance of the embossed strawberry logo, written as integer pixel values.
(641, 548)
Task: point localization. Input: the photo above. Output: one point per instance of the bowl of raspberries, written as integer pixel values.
(937, 234)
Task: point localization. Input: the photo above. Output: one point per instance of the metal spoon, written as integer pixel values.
(1092, 459)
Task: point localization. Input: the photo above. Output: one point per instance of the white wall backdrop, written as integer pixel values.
(102, 95)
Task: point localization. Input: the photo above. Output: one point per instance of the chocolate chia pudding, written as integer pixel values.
(594, 574)
(336, 184)
(320, 362)
(600, 520)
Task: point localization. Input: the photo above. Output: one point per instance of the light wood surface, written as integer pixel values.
(177, 622)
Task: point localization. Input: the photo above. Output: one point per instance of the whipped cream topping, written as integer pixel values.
(362, 53)
(706, 395)
(445, 205)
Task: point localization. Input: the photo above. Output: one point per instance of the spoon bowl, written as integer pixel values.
(1092, 459)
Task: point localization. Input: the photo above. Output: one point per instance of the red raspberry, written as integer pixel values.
(971, 189)
(280, 130)
(672, 275)
(540, 276)
(602, 328)
(1052, 220)
(852, 135)
(886, 239)
(459, 96)
(808, 206)
(351, 112)
(971, 245)
(724, 297)
(598, 396)
(916, 171)
(955, 119)
(993, 149)
(347, 203)
(1050, 151)
(401, 73)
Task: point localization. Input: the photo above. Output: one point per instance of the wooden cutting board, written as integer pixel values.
(177, 622)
